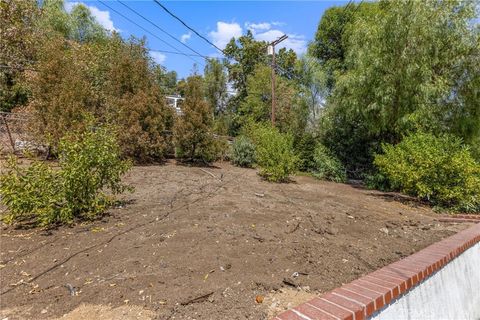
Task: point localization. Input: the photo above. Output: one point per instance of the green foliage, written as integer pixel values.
(83, 25)
(54, 18)
(257, 105)
(216, 85)
(312, 83)
(17, 49)
(378, 181)
(193, 134)
(166, 80)
(247, 54)
(243, 152)
(78, 25)
(305, 149)
(274, 153)
(327, 166)
(406, 66)
(438, 169)
(89, 163)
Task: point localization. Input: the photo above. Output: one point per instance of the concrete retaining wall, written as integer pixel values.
(451, 293)
(441, 281)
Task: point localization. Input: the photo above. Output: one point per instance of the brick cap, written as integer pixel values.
(362, 297)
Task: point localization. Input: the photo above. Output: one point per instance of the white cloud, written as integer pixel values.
(257, 26)
(185, 37)
(225, 31)
(158, 57)
(102, 17)
(263, 31)
(278, 24)
(295, 42)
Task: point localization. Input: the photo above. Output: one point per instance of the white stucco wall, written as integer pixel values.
(451, 293)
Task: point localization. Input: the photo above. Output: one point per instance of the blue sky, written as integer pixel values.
(216, 20)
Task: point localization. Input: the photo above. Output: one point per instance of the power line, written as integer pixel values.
(146, 30)
(166, 32)
(179, 53)
(187, 26)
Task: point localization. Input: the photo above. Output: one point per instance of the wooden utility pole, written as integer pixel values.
(271, 50)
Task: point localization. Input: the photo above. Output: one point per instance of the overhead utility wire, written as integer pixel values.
(173, 52)
(188, 27)
(146, 30)
(161, 29)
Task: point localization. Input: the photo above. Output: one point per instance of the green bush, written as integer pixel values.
(327, 166)
(89, 162)
(377, 181)
(305, 149)
(274, 153)
(243, 152)
(438, 169)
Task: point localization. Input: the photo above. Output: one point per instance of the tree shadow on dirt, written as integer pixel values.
(391, 196)
(401, 198)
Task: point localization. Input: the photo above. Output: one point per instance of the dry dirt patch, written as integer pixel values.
(191, 245)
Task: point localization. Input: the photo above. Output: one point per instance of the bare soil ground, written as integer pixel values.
(188, 245)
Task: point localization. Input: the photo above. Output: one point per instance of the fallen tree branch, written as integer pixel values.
(197, 299)
(208, 172)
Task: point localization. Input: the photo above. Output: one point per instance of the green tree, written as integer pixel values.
(83, 25)
(216, 85)
(18, 34)
(167, 80)
(330, 45)
(312, 81)
(404, 70)
(257, 106)
(54, 18)
(193, 136)
(246, 53)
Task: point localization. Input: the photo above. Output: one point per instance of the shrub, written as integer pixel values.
(327, 166)
(193, 134)
(243, 152)
(89, 162)
(274, 153)
(378, 181)
(305, 148)
(439, 169)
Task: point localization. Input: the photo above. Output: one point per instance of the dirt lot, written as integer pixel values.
(188, 245)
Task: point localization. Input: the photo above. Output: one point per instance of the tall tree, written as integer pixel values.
(167, 80)
(54, 18)
(18, 34)
(312, 80)
(330, 45)
(243, 55)
(83, 25)
(193, 136)
(404, 70)
(257, 106)
(216, 85)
